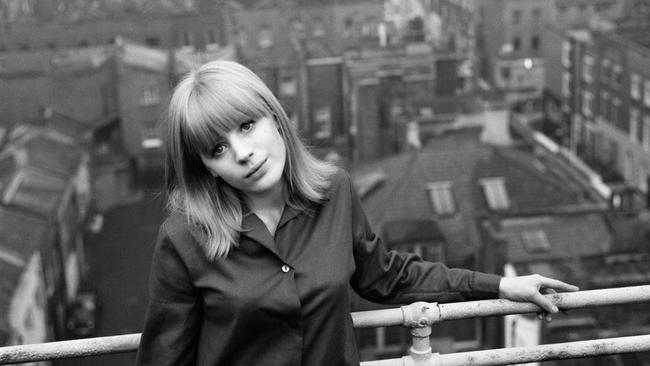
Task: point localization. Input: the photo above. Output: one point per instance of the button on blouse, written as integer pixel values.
(240, 310)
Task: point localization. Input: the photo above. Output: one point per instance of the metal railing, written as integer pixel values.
(420, 317)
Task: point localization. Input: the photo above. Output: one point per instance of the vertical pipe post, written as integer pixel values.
(420, 316)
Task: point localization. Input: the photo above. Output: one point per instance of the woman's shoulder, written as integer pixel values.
(340, 183)
(179, 231)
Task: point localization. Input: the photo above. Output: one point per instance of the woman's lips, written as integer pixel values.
(255, 169)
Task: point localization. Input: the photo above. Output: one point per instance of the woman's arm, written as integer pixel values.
(173, 321)
(392, 277)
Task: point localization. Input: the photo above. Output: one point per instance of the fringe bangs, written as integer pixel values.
(211, 113)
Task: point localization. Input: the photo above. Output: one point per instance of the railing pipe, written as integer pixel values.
(69, 349)
(516, 355)
(482, 308)
(415, 315)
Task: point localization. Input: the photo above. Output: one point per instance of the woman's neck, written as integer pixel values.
(268, 206)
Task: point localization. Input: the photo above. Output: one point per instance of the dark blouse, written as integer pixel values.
(283, 300)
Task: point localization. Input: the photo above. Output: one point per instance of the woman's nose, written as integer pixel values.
(242, 150)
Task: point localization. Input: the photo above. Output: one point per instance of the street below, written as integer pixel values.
(118, 260)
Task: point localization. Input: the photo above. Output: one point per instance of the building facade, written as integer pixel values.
(603, 86)
(511, 45)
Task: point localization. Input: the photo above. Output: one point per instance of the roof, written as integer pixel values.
(35, 192)
(568, 236)
(45, 150)
(21, 234)
(459, 158)
(144, 57)
(35, 62)
(531, 183)
(67, 125)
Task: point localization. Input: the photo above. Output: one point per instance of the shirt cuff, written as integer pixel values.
(486, 282)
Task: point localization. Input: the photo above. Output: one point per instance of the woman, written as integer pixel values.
(254, 264)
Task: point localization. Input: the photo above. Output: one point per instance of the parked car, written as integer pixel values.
(81, 320)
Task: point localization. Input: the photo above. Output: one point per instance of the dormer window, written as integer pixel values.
(495, 193)
(442, 198)
(535, 241)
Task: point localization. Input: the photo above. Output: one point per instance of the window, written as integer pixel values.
(323, 122)
(152, 41)
(441, 198)
(505, 73)
(537, 15)
(566, 84)
(635, 86)
(566, 53)
(516, 17)
(634, 125)
(150, 95)
(646, 133)
(151, 135)
(318, 29)
(495, 193)
(534, 43)
(535, 241)
(516, 43)
(587, 68)
(605, 71)
(186, 39)
(604, 104)
(369, 28)
(587, 103)
(265, 37)
(646, 93)
(212, 43)
(615, 111)
(617, 76)
(288, 85)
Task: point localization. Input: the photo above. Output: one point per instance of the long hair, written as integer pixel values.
(207, 104)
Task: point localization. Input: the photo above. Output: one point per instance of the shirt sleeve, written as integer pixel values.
(390, 277)
(173, 319)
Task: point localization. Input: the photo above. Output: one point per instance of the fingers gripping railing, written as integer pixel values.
(420, 317)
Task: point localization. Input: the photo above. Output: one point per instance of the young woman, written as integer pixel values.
(263, 242)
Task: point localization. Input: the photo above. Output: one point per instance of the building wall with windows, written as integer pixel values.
(607, 78)
(511, 44)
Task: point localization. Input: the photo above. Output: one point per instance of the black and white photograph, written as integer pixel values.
(324, 182)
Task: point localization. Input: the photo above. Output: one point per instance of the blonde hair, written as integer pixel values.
(206, 104)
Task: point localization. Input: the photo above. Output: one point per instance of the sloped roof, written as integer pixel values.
(404, 196)
(532, 185)
(36, 192)
(21, 234)
(570, 236)
(35, 62)
(45, 152)
(458, 157)
(68, 125)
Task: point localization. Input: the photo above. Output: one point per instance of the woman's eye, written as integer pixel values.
(218, 150)
(247, 126)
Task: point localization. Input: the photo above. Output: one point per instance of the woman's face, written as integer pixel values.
(250, 157)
